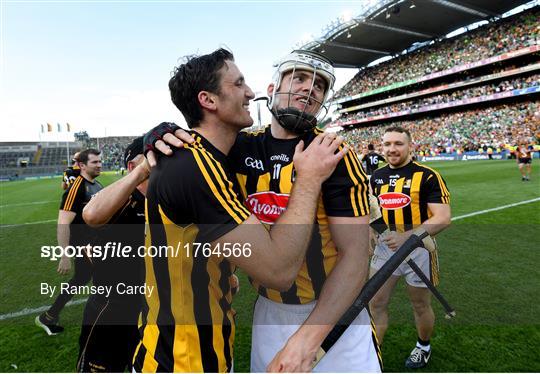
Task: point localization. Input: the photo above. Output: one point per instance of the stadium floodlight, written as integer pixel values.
(348, 35)
(387, 15)
(412, 5)
(346, 16)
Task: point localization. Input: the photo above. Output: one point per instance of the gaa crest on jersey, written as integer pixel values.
(254, 163)
(267, 206)
(394, 200)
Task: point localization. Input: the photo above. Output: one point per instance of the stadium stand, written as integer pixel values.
(467, 93)
(507, 35)
(112, 149)
(497, 127)
(33, 159)
(475, 91)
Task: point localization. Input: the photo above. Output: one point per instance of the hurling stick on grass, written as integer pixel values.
(450, 312)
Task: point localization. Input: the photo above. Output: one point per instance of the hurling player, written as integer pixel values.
(524, 159)
(410, 195)
(372, 159)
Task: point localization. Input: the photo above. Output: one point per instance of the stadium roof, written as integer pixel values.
(387, 27)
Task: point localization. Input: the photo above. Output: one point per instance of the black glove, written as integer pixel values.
(157, 133)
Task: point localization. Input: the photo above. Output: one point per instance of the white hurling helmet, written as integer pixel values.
(291, 118)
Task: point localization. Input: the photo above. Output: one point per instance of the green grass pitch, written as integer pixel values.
(489, 273)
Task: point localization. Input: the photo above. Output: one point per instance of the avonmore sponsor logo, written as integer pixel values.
(267, 206)
(394, 200)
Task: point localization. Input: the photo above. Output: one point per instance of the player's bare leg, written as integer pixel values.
(423, 313)
(379, 305)
(425, 321)
(522, 171)
(528, 166)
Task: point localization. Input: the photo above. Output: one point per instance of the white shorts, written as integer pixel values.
(273, 324)
(427, 262)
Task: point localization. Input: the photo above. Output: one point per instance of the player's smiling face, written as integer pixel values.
(396, 148)
(299, 85)
(233, 100)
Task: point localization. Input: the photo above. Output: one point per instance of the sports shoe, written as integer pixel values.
(418, 358)
(51, 327)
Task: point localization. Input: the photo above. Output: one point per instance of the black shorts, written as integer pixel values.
(525, 160)
(107, 344)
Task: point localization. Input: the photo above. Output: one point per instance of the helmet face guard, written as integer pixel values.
(291, 118)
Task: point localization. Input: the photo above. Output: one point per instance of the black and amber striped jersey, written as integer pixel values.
(191, 200)
(524, 152)
(74, 200)
(265, 171)
(404, 194)
(78, 195)
(70, 174)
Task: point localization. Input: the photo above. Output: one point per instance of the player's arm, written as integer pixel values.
(71, 202)
(438, 202)
(346, 193)
(65, 218)
(351, 237)
(112, 198)
(440, 219)
(278, 254)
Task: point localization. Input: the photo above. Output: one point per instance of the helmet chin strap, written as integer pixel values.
(295, 120)
(292, 119)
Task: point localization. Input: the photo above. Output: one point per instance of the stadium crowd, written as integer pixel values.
(499, 128)
(509, 34)
(467, 93)
(112, 150)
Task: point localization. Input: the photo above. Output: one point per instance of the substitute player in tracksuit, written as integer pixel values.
(410, 195)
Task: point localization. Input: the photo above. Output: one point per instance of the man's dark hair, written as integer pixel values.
(135, 148)
(370, 147)
(399, 129)
(83, 156)
(198, 73)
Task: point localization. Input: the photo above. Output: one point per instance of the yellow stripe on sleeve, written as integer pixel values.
(72, 193)
(196, 154)
(225, 184)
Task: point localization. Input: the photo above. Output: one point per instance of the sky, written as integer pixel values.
(103, 66)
